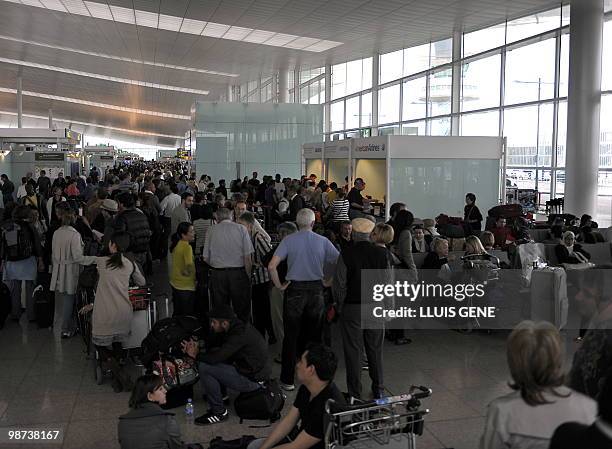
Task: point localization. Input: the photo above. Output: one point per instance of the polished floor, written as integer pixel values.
(45, 381)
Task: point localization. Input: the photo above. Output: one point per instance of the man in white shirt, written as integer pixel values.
(167, 206)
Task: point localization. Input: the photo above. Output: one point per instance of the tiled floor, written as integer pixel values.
(47, 381)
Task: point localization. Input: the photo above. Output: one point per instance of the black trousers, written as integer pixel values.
(165, 223)
(303, 316)
(232, 287)
(262, 319)
(354, 338)
(184, 302)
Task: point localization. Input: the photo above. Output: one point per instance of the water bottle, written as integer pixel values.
(189, 411)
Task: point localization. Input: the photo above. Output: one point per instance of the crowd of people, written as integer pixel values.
(280, 260)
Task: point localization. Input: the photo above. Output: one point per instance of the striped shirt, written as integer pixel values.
(200, 228)
(262, 245)
(339, 210)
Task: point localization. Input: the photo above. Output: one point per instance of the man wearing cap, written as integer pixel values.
(307, 255)
(362, 255)
(238, 363)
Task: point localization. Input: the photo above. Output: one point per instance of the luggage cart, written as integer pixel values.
(393, 422)
(144, 316)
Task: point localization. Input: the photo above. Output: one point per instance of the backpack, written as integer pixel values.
(238, 443)
(17, 242)
(265, 403)
(167, 335)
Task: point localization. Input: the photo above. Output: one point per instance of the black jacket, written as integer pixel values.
(433, 261)
(135, 223)
(573, 435)
(295, 205)
(564, 257)
(244, 347)
(7, 187)
(362, 255)
(149, 427)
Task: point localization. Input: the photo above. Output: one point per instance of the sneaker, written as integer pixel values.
(66, 335)
(287, 387)
(211, 418)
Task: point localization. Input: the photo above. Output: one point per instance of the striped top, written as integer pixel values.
(200, 229)
(262, 245)
(339, 210)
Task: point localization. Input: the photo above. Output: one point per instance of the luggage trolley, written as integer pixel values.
(144, 316)
(393, 421)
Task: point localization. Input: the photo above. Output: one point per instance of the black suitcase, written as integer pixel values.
(265, 403)
(44, 302)
(5, 303)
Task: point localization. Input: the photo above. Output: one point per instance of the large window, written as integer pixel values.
(351, 77)
(352, 113)
(414, 95)
(486, 39)
(388, 104)
(530, 72)
(480, 83)
(440, 91)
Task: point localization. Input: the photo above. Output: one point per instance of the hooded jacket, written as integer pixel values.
(149, 427)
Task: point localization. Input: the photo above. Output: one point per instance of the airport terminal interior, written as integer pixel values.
(235, 224)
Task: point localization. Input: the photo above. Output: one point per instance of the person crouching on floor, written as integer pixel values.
(239, 362)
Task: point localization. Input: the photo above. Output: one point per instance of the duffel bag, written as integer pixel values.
(265, 403)
(506, 211)
(238, 443)
(167, 335)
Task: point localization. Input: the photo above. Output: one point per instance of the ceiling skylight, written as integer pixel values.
(179, 24)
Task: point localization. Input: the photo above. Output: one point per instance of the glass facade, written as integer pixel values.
(512, 82)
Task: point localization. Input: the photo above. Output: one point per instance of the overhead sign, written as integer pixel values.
(312, 151)
(370, 148)
(73, 135)
(337, 150)
(106, 157)
(182, 153)
(55, 156)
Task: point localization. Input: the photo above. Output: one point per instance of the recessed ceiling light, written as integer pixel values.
(55, 5)
(120, 58)
(149, 19)
(191, 26)
(99, 10)
(96, 104)
(123, 15)
(215, 29)
(104, 77)
(96, 125)
(237, 33)
(146, 18)
(76, 7)
(169, 23)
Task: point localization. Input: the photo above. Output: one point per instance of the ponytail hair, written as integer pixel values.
(122, 242)
(181, 230)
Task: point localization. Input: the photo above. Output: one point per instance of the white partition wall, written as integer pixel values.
(369, 162)
(312, 156)
(234, 138)
(433, 174)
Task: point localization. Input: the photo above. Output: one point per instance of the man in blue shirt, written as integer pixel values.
(308, 256)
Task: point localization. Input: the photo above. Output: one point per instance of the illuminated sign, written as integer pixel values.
(49, 156)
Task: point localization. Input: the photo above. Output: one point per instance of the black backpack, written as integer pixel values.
(238, 443)
(17, 241)
(265, 403)
(167, 335)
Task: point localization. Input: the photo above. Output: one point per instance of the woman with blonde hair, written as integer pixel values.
(540, 402)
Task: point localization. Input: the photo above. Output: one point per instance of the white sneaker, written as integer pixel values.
(287, 387)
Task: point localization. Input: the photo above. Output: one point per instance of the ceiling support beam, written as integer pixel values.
(19, 102)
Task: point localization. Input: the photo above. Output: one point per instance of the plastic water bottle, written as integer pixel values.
(189, 411)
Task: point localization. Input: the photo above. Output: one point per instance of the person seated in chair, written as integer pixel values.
(569, 251)
(238, 363)
(315, 370)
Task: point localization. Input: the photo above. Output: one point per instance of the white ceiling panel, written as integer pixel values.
(174, 43)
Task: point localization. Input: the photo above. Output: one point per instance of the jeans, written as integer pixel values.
(15, 289)
(303, 316)
(183, 302)
(212, 377)
(64, 308)
(353, 340)
(232, 287)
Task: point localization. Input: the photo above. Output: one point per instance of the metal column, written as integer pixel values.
(375, 82)
(456, 82)
(19, 103)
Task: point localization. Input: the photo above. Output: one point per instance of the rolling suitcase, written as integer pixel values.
(44, 302)
(5, 303)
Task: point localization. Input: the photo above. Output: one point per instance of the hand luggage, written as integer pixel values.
(167, 335)
(265, 403)
(44, 307)
(238, 443)
(506, 211)
(5, 303)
